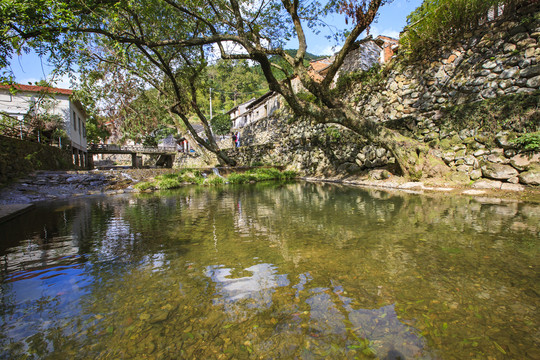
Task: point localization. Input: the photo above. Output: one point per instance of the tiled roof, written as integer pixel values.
(321, 64)
(37, 89)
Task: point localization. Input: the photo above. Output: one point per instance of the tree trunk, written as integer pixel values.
(224, 159)
(414, 158)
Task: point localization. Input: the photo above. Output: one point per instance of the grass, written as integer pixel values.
(185, 176)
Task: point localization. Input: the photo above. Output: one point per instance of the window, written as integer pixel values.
(79, 125)
(74, 121)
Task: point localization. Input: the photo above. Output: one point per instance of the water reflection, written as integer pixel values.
(253, 292)
(272, 271)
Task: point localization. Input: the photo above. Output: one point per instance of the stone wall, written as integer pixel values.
(18, 158)
(499, 61)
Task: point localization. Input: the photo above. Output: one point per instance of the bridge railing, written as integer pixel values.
(130, 148)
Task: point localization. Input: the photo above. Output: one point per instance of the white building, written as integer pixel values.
(53, 101)
(254, 109)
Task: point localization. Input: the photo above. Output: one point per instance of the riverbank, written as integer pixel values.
(481, 188)
(55, 185)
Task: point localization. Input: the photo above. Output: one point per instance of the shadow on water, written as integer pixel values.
(274, 271)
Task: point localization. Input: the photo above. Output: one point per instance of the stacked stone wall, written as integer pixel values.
(18, 158)
(501, 60)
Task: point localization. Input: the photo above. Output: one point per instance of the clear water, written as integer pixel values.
(271, 271)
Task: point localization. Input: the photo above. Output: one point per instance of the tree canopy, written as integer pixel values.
(168, 44)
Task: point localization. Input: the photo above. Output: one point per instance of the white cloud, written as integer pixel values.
(329, 50)
(375, 31)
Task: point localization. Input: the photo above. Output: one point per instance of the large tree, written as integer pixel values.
(168, 44)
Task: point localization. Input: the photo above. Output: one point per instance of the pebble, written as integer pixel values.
(61, 184)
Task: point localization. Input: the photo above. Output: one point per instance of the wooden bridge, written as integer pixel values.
(166, 154)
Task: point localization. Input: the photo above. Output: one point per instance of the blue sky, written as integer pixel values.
(392, 19)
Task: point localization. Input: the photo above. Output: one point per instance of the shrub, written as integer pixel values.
(214, 180)
(144, 185)
(236, 178)
(528, 142)
(168, 183)
(262, 174)
(436, 22)
(367, 77)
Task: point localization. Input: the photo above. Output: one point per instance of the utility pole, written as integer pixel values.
(211, 130)
(210, 103)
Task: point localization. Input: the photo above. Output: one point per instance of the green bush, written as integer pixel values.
(262, 174)
(173, 181)
(333, 132)
(167, 176)
(236, 178)
(288, 175)
(368, 77)
(144, 185)
(164, 184)
(214, 180)
(437, 22)
(221, 124)
(528, 142)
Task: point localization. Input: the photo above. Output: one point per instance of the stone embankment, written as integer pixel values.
(495, 71)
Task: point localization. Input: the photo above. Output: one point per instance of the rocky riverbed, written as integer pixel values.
(52, 185)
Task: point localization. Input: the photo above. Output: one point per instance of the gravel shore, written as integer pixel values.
(52, 185)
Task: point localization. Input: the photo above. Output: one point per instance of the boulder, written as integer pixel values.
(498, 171)
(475, 174)
(530, 71)
(379, 174)
(531, 177)
(496, 159)
(512, 187)
(487, 184)
(534, 82)
(523, 162)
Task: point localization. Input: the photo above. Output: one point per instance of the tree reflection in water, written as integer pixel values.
(272, 271)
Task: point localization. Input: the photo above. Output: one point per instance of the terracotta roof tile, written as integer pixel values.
(34, 88)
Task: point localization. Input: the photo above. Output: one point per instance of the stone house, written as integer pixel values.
(29, 99)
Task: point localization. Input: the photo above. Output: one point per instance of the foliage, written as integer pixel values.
(333, 133)
(168, 183)
(167, 45)
(528, 142)
(368, 77)
(233, 82)
(520, 113)
(132, 112)
(144, 185)
(155, 136)
(187, 176)
(96, 131)
(262, 174)
(436, 22)
(221, 124)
